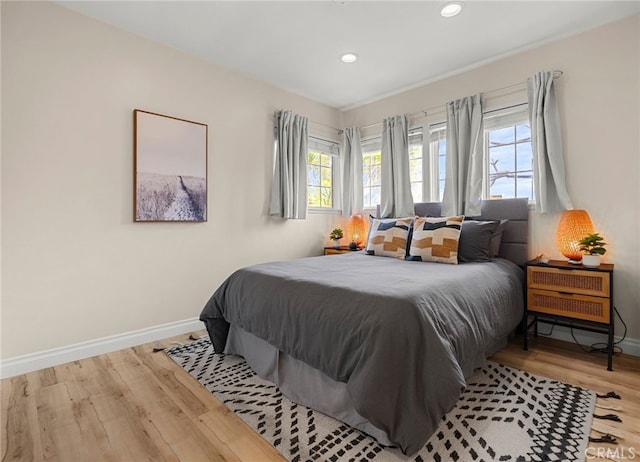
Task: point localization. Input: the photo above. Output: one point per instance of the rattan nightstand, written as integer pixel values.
(570, 295)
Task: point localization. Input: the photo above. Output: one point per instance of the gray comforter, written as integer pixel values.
(402, 335)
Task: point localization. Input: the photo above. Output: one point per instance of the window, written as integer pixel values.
(438, 163)
(509, 154)
(416, 164)
(371, 172)
(322, 173)
(372, 166)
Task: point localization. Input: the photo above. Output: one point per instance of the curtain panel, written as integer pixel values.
(395, 188)
(352, 173)
(289, 186)
(464, 157)
(546, 140)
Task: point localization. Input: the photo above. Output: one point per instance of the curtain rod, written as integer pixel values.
(339, 130)
(556, 75)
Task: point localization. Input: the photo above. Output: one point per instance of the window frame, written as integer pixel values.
(331, 148)
(370, 145)
(497, 119)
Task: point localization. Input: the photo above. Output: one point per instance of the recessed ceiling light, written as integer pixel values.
(349, 57)
(451, 9)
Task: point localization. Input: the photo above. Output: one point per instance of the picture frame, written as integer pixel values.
(170, 168)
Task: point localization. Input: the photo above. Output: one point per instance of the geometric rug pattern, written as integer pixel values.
(503, 414)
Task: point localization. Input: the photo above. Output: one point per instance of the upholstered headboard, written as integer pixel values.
(515, 240)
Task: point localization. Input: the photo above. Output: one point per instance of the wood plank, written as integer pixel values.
(17, 422)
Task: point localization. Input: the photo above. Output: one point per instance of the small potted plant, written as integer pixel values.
(592, 245)
(335, 236)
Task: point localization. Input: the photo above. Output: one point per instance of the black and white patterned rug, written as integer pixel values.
(504, 414)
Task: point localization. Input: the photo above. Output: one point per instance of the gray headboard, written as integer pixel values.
(515, 240)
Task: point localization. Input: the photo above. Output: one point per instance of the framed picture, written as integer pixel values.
(170, 168)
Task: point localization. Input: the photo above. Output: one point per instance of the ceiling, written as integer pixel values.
(295, 45)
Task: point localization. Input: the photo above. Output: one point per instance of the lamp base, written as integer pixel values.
(353, 246)
(574, 262)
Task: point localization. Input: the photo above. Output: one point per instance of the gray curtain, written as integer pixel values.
(289, 187)
(548, 159)
(351, 172)
(395, 188)
(464, 157)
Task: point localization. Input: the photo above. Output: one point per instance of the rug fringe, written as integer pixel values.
(610, 407)
(606, 438)
(614, 417)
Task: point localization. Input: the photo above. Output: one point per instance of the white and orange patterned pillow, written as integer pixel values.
(388, 237)
(436, 239)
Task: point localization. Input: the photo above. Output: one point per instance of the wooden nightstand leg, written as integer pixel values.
(525, 331)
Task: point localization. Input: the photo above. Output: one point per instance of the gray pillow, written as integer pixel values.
(475, 240)
(496, 239)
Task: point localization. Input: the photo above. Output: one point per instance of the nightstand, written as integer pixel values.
(338, 250)
(570, 295)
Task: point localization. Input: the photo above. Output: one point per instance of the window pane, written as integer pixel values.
(525, 156)
(503, 188)
(525, 187)
(325, 160)
(375, 196)
(326, 177)
(502, 136)
(502, 159)
(313, 196)
(366, 161)
(416, 191)
(313, 158)
(415, 151)
(441, 184)
(376, 177)
(325, 197)
(366, 178)
(313, 175)
(442, 159)
(367, 198)
(415, 169)
(523, 132)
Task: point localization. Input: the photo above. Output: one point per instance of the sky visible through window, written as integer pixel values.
(510, 162)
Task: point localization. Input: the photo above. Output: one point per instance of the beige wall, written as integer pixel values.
(599, 97)
(74, 266)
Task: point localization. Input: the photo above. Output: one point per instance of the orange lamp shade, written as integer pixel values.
(357, 230)
(573, 226)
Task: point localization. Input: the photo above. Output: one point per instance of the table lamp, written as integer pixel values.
(573, 226)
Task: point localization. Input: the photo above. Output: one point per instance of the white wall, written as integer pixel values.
(74, 265)
(599, 97)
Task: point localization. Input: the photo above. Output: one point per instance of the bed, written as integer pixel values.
(382, 344)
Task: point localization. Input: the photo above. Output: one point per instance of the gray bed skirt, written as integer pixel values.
(304, 384)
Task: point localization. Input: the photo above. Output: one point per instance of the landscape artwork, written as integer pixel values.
(170, 159)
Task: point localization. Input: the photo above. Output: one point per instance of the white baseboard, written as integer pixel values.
(630, 346)
(56, 356)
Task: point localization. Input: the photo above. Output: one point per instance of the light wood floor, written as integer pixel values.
(137, 405)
